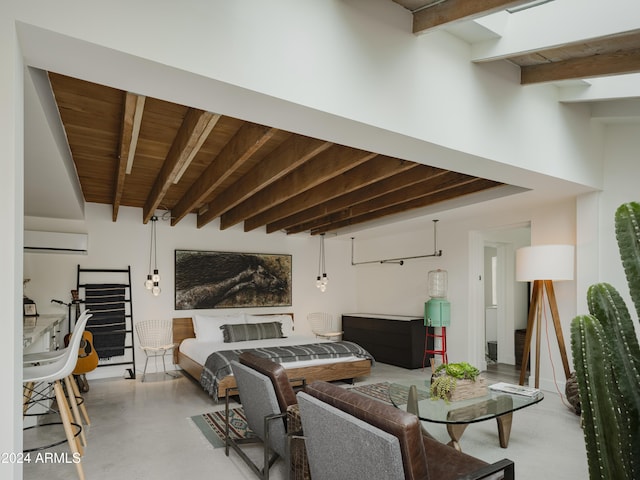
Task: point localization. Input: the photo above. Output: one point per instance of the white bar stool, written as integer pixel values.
(75, 398)
(54, 373)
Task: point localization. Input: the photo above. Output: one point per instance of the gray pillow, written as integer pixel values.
(251, 331)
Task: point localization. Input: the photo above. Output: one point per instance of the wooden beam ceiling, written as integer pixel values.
(189, 161)
(195, 129)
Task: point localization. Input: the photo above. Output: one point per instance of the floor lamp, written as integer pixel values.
(542, 265)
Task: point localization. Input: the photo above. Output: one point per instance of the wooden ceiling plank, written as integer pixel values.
(327, 165)
(474, 186)
(458, 10)
(604, 64)
(193, 132)
(131, 119)
(244, 144)
(372, 171)
(303, 221)
(432, 186)
(425, 187)
(292, 153)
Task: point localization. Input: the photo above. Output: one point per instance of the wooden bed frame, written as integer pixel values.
(183, 328)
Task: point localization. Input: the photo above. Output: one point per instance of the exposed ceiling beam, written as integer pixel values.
(138, 110)
(426, 187)
(458, 10)
(244, 144)
(332, 162)
(131, 120)
(471, 186)
(193, 132)
(306, 220)
(289, 155)
(598, 65)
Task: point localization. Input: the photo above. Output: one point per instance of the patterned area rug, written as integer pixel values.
(211, 425)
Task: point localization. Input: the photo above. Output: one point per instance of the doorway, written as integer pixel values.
(500, 305)
(491, 304)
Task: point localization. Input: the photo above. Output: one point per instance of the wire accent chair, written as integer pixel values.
(156, 340)
(323, 325)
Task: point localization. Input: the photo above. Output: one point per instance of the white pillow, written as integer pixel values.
(207, 327)
(286, 320)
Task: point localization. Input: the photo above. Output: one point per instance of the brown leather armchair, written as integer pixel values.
(380, 436)
(288, 403)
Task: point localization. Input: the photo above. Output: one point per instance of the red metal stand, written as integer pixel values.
(436, 351)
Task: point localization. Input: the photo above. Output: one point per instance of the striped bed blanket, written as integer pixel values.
(218, 364)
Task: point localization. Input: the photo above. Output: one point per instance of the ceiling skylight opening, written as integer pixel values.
(527, 6)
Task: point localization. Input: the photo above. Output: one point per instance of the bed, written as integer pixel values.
(200, 336)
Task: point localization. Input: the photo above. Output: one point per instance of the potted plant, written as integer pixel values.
(457, 381)
(606, 357)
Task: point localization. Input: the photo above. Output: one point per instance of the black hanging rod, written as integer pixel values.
(400, 260)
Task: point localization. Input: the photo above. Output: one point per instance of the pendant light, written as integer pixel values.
(153, 280)
(322, 279)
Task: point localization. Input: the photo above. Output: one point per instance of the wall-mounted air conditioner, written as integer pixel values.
(56, 242)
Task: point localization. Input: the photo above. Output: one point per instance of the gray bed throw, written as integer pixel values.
(218, 366)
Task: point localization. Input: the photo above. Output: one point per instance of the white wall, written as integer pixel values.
(11, 206)
(403, 289)
(126, 242)
(621, 173)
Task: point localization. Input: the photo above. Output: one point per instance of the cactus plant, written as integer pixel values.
(606, 357)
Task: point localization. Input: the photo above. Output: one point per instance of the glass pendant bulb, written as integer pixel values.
(156, 289)
(325, 279)
(323, 287)
(156, 276)
(318, 281)
(148, 284)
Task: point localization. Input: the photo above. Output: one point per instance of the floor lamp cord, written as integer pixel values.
(553, 368)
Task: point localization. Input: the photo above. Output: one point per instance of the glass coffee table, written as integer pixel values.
(459, 414)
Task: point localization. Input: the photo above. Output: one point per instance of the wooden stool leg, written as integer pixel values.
(83, 408)
(65, 415)
(68, 381)
(27, 392)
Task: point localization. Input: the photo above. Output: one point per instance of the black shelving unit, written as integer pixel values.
(107, 293)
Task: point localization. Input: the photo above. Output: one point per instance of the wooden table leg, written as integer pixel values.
(455, 431)
(504, 428)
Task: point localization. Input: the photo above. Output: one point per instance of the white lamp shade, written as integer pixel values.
(544, 262)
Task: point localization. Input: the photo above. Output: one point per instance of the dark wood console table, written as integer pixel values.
(393, 339)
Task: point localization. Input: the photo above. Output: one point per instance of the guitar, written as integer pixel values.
(87, 355)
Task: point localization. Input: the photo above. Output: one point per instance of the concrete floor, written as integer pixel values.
(141, 431)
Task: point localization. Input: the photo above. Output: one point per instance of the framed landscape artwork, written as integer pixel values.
(231, 280)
